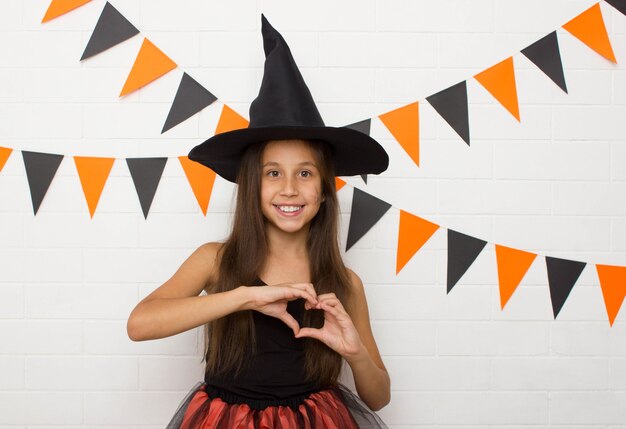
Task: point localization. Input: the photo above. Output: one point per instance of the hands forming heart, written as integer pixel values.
(338, 331)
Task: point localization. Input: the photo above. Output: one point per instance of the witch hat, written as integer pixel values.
(284, 109)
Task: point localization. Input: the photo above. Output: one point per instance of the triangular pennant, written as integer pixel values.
(5, 152)
(562, 275)
(59, 7)
(93, 173)
(230, 120)
(462, 251)
(588, 27)
(546, 55)
(339, 183)
(364, 177)
(451, 104)
(201, 179)
(191, 97)
(40, 170)
(413, 232)
(499, 80)
(613, 284)
(365, 213)
(363, 126)
(618, 4)
(111, 29)
(403, 123)
(149, 65)
(146, 174)
(512, 267)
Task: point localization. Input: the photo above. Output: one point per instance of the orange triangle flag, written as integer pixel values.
(512, 267)
(59, 7)
(589, 28)
(613, 283)
(230, 120)
(201, 179)
(413, 232)
(339, 183)
(4, 155)
(150, 65)
(499, 80)
(403, 123)
(93, 174)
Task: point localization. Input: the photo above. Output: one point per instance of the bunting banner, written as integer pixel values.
(40, 170)
(512, 267)
(403, 123)
(588, 27)
(618, 4)
(146, 174)
(151, 63)
(499, 80)
(93, 173)
(5, 152)
(451, 104)
(545, 54)
(562, 275)
(191, 97)
(60, 7)
(111, 29)
(462, 251)
(365, 213)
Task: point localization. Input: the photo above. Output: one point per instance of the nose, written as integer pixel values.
(289, 187)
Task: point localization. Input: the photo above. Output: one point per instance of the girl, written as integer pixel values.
(283, 311)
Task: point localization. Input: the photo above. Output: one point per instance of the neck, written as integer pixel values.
(286, 243)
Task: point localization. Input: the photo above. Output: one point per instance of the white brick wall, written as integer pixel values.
(552, 184)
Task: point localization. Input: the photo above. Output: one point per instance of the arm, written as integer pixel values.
(175, 306)
(370, 375)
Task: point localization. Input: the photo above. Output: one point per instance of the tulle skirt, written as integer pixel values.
(334, 408)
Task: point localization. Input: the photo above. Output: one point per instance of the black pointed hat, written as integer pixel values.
(284, 109)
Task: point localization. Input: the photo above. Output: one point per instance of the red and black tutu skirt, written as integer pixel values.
(208, 407)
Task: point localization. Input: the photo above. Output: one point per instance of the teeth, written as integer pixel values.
(289, 209)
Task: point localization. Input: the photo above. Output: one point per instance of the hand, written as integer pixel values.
(338, 331)
(272, 300)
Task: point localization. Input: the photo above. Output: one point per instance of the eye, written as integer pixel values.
(305, 173)
(272, 173)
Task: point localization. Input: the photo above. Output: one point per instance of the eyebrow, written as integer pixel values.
(273, 163)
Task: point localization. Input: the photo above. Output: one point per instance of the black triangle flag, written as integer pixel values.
(191, 97)
(618, 4)
(451, 104)
(366, 211)
(562, 275)
(546, 55)
(364, 127)
(462, 251)
(146, 174)
(111, 29)
(40, 170)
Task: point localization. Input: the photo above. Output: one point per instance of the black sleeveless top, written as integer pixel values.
(274, 373)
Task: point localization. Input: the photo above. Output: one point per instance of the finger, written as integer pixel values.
(311, 333)
(304, 294)
(290, 321)
(334, 310)
(307, 287)
(327, 295)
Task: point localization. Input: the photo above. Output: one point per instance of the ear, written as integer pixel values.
(323, 198)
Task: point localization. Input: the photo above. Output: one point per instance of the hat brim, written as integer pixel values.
(353, 151)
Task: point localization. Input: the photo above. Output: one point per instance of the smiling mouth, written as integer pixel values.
(288, 208)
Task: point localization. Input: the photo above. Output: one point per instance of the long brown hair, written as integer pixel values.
(230, 338)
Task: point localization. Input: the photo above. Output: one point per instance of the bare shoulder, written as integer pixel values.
(357, 293)
(194, 275)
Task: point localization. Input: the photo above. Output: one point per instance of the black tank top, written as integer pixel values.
(274, 373)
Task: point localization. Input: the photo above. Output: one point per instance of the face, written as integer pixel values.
(290, 185)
